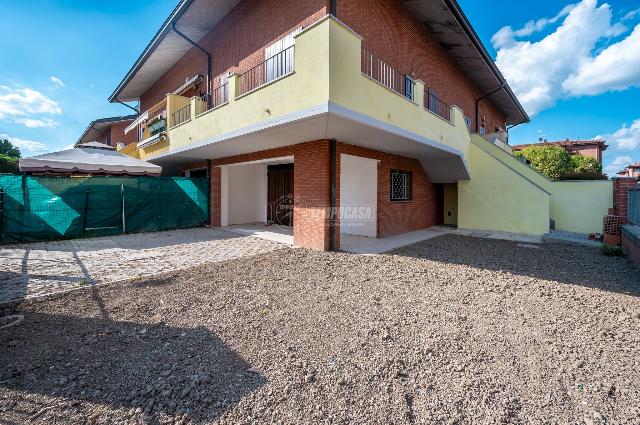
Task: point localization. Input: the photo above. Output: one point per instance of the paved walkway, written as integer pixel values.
(35, 269)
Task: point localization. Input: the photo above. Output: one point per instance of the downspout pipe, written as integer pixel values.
(478, 104)
(197, 46)
(128, 106)
(333, 8)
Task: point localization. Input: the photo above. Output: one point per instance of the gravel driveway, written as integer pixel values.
(36, 269)
(452, 330)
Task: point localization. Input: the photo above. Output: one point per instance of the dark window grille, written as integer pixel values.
(400, 185)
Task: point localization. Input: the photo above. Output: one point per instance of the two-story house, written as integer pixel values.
(358, 117)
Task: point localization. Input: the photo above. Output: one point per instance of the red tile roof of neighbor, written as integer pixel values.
(601, 143)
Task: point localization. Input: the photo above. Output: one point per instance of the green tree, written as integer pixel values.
(6, 148)
(550, 161)
(585, 165)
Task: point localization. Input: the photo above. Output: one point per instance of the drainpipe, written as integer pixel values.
(128, 106)
(478, 104)
(197, 46)
(332, 194)
(333, 8)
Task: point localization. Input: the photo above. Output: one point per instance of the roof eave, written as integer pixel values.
(454, 7)
(182, 6)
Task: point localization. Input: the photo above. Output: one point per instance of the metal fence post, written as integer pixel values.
(124, 222)
(84, 216)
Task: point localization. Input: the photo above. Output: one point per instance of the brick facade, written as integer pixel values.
(115, 134)
(237, 44)
(395, 218)
(311, 191)
(408, 47)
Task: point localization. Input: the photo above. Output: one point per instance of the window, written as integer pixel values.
(400, 185)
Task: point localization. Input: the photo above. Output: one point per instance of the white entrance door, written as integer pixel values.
(358, 195)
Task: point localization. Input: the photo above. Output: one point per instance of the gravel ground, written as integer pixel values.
(452, 330)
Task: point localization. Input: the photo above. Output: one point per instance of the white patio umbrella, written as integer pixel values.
(89, 158)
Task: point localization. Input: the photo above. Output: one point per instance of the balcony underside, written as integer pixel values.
(442, 163)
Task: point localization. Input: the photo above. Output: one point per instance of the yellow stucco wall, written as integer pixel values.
(579, 206)
(498, 198)
(575, 206)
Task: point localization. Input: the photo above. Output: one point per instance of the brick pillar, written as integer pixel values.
(311, 193)
(621, 187)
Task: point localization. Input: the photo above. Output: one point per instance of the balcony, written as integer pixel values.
(325, 86)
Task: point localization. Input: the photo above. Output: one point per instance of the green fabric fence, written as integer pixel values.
(46, 208)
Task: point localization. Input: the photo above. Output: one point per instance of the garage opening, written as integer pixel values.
(257, 198)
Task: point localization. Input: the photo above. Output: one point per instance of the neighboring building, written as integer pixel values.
(109, 131)
(631, 170)
(369, 108)
(592, 148)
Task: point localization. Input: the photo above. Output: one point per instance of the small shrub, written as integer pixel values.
(612, 250)
(9, 164)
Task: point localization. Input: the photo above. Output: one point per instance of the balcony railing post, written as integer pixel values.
(234, 86)
(418, 92)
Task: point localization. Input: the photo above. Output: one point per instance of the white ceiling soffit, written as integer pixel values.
(447, 23)
(194, 18)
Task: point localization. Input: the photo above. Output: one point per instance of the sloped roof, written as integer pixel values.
(444, 19)
(92, 158)
(97, 127)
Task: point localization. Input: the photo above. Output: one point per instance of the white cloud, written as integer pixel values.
(617, 67)
(630, 15)
(26, 146)
(36, 123)
(543, 71)
(626, 138)
(27, 106)
(617, 164)
(57, 81)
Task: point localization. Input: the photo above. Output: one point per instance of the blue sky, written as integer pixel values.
(574, 65)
